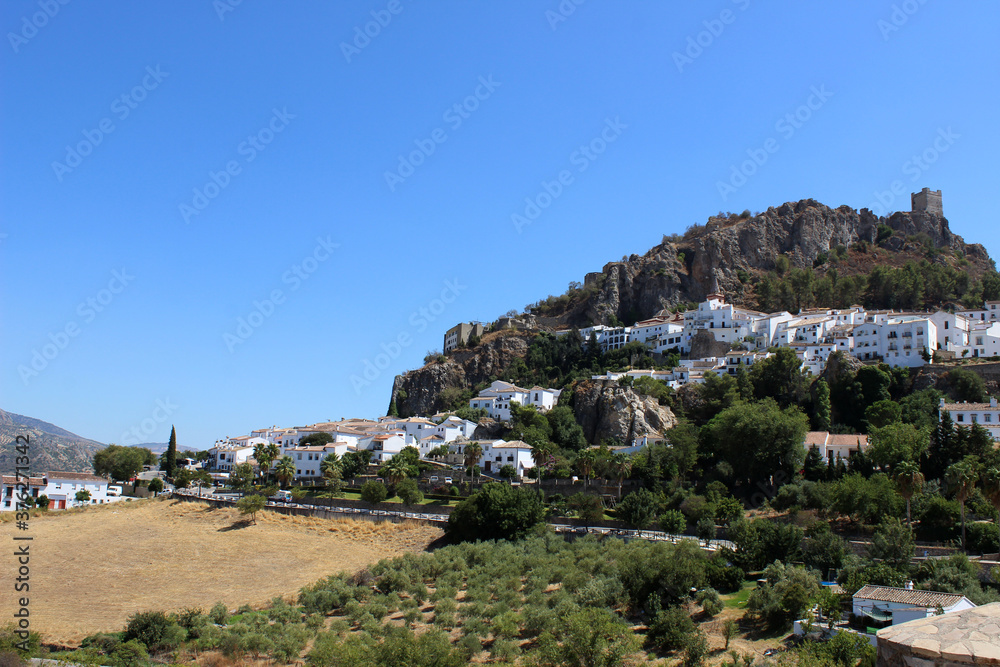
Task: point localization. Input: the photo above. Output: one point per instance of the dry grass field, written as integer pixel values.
(91, 569)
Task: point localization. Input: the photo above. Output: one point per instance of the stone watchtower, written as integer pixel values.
(927, 200)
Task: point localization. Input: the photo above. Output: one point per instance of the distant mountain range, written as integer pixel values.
(50, 447)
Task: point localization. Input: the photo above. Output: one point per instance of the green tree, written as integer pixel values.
(169, 465)
(284, 470)
(759, 440)
(395, 470)
(673, 522)
(471, 454)
(585, 462)
(242, 477)
(250, 505)
(497, 511)
(353, 464)
(408, 492)
(895, 443)
(155, 485)
(507, 472)
(961, 479)
(316, 440)
(620, 466)
(909, 481)
(374, 492)
(780, 377)
(266, 453)
(729, 630)
(967, 385)
(590, 637)
(822, 415)
(82, 497)
(892, 544)
(705, 529)
(153, 630)
(991, 491)
(566, 431)
(785, 596)
(883, 413)
(121, 463)
(637, 509)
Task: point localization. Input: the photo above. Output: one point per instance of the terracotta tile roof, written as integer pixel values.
(11, 480)
(907, 596)
(76, 476)
(970, 406)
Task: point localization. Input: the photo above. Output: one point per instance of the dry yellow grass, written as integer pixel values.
(91, 569)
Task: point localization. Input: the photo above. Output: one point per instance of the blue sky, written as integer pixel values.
(169, 169)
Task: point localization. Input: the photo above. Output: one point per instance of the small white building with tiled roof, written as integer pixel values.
(885, 604)
(12, 488)
(986, 415)
(497, 398)
(833, 446)
(62, 487)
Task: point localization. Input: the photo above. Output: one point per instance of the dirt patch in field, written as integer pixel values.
(93, 568)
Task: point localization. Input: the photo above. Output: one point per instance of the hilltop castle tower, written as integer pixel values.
(927, 200)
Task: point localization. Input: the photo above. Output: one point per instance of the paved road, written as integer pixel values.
(651, 535)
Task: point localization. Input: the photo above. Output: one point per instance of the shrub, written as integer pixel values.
(670, 628)
(673, 521)
(373, 492)
(497, 511)
(724, 576)
(637, 509)
(218, 614)
(710, 601)
(129, 654)
(154, 630)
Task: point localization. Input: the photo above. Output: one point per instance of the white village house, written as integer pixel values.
(986, 415)
(61, 489)
(892, 606)
(835, 446)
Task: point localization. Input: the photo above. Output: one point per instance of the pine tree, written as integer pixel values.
(170, 458)
(822, 416)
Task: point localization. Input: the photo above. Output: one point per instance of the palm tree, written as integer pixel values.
(620, 467)
(285, 470)
(910, 481)
(541, 453)
(472, 453)
(265, 453)
(961, 477)
(991, 489)
(395, 470)
(585, 462)
(330, 463)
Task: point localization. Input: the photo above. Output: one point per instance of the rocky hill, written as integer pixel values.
(734, 250)
(51, 447)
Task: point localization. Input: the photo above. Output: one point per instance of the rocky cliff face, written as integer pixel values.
(680, 270)
(683, 269)
(606, 411)
(419, 392)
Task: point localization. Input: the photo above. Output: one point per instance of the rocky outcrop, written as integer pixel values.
(419, 392)
(682, 269)
(606, 410)
(703, 344)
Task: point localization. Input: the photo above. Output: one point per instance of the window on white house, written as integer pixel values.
(961, 418)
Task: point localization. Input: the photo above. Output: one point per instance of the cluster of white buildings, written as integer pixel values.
(497, 398)
(60, 488)
(897, 338)
(383, 438)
